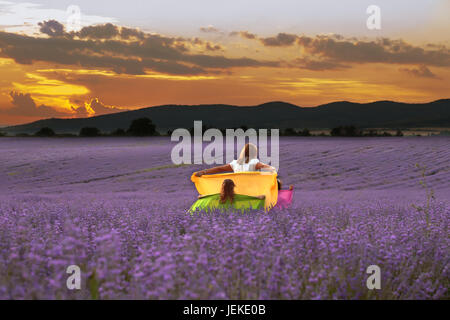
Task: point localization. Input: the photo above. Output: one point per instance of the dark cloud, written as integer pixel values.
(334, 50)
(129, 33)
(207, 61)
(131, 51)
(318, 65)
(24, 105)
(213, 47)
(109, 31)
(105, 31)
(209, 46)
(104, 47)
(247, 35)
(172, 67)
(378, 51)
(52, 28)
(280, 40)
(421, 72)
(337, 36)
(210, 29)
(197, 41)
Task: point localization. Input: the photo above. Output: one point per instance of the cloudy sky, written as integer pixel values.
(85, 58)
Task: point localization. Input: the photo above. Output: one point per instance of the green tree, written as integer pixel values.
(119, 132)
(45, 132)
(305, 133)
(89, 132)
(290, 132)
(345, 131)
(142, 127)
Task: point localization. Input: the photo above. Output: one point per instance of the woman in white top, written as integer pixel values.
(247, 161)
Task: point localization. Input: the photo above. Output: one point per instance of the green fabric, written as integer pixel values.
(240, 203)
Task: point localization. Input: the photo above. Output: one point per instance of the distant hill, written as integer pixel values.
(386, 114)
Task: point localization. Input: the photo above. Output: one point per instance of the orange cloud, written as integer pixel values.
(95, 107)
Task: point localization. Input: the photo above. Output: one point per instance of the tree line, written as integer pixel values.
(144, 127)
(343, 131)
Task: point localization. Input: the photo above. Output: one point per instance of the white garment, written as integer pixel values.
(245, 167)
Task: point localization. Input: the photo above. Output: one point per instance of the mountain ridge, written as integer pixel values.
(272, 114)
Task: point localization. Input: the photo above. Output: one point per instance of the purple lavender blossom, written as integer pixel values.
(117, 209)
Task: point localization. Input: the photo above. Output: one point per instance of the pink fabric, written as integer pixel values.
(284, 198)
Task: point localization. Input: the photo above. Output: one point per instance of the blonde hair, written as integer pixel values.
(248, 152)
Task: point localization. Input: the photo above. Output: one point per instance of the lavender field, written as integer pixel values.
(116, 207)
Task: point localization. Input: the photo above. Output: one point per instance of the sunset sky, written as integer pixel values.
(133, 54)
